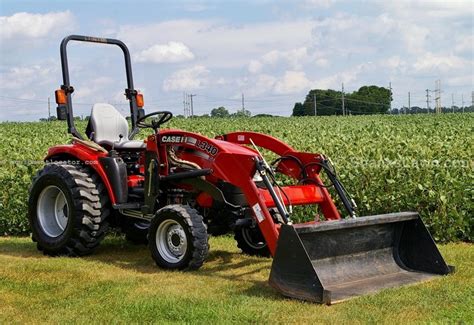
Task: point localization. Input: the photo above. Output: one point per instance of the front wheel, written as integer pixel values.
(250, 240)
(177, 238)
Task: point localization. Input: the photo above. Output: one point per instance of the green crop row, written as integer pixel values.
(388, 163)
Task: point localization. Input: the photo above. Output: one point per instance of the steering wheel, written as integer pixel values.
(162, 117)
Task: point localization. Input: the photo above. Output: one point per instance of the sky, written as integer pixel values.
(273, 52)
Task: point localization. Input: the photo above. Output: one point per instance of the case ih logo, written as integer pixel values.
(173, 139)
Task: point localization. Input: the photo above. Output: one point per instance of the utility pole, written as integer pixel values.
(243, 104)
(462, 100)
(314, 101)
(472, 99)
(192, 108)
(343, 108)
(49, 109)
(409, 104)
(452, 102)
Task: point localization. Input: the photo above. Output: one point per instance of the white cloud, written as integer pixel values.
(197, 6)
(187, 79)
(465, 44)
(262, 84)
(292, 82)
(346, 34)
(438, 63)
(393, 63)
(295, 59)
(27, 25)
(255, 66)
(419, 10)
(21, 77)
(466, 80)
(319, 3)
(165, 53)
(221, 44)
(95, 90)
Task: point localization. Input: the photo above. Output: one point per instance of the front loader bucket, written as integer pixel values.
(337, 260)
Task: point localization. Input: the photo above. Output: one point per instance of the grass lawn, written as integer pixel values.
(120, 283)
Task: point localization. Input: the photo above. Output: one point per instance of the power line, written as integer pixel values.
(364, 101)
(25, 100)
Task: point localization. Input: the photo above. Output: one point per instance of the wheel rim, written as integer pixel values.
(171, 241)
(52, 211)
(142, 225)
(251, 237)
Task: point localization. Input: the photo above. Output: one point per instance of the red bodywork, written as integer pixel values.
(230, 159)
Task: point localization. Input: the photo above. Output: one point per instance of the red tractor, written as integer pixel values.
(175, 187)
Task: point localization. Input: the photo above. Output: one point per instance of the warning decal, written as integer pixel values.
(258, 212)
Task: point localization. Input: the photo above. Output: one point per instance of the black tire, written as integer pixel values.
(250, 240)
(178, 224)
(85, 210)
(135, 230)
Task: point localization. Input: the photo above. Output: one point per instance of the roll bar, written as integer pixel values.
(130, 92)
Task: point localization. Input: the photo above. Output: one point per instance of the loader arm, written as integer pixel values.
(231, 160)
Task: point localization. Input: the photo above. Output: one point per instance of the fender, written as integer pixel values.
(87, 155)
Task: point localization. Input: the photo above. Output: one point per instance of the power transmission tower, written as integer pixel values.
(314, 101)
(462, 100)
(438, 96)
(428, 100)
(472, 99)
(49, 109)
(243, 104)
(192, 108)
(343, 108)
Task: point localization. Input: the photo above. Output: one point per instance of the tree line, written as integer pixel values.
(366, 100)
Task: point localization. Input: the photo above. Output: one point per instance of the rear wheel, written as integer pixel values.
(178, 238)
(250, 240)
(67, 210)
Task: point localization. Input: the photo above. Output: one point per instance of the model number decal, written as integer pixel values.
(204, 145)
(173, 139)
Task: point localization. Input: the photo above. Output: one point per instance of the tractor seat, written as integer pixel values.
(109, 128)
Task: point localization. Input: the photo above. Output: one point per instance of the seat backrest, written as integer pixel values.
(107, 124)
